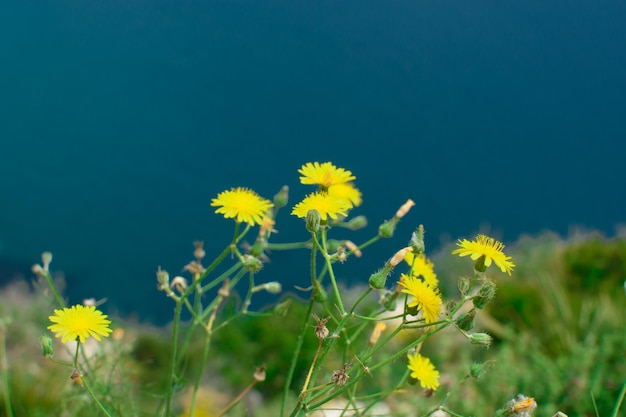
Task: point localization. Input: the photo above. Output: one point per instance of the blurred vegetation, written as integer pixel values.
(558, 323)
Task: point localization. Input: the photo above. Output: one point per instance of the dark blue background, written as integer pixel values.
(120, 120)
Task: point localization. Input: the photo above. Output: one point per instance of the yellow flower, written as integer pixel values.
(346, 191)
(79, 322)
(325, 204)
(242, 204)
(325, 174)
(487, 247)
(425, 297)
(424, 371)
(422, 266)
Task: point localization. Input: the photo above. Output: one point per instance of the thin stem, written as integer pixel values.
(93, 397)
(308, 376)
(620, 399)
(54, 290)
(236, 400)
(4, 369)
(170, 383)
(294, 358)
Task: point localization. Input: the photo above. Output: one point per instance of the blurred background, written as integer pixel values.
(121, 120)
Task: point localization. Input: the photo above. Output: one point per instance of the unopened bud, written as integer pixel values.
(271, 287)
(486, 293)
(478, 370)
(359, 222)
(481, 339)
(224, 290)
(387, 228)
(341, 254)
(251, 263)
(404, 209)
(282, 197)
(465, 321)
(46, 258)
(47, 347)
(163, 279)
(352, 247)
(417, 240)
(379, 278)
(179, 284)
(313, 220)
(281, 309)
(464, 285)
(198, 251)
(38, 270)
(399, 256)
(259, 374)
(378, 330)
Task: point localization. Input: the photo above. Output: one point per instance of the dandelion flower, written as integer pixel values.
(79, 322)
(425, 297)
(242, 204)
(422, 266)
(424, 371)
(325, 174)
(325, 204)
(346, 191)
(487, 247)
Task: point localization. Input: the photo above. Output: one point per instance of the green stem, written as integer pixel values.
(4, 369)
(289, 246)
(323, 248)
(170, 382)
(294, 358)
(54, 290)
(93, 397)
(619, 401)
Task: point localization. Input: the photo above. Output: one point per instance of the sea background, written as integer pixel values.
(121, 120)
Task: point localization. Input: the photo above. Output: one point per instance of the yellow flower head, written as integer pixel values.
(325, 204)
(425, 297)
(346, 191)
(488, 248)
(79, 322)
(422, 266)
(242, 204)
(424, 371)
(325, 174)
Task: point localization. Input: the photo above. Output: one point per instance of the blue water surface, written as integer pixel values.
(120, 120)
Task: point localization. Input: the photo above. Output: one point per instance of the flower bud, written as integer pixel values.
(465, 321)
(387, 228)
(481, 339)
(352, 247)
(417, 239)
(399, 256)
(281, 309)
(379, 278)
(259, 374)
(479, 265)
(485, 294)
(198, 251)
(282, 197)
(389, 300)
(313, 220)
(271, 287)
(378, 330)
(46, 258)
(357, 223)
(464, 285)
(404, 209)
(251, 263)
(47, 347)
(478, 370)
(163, 279)
(179, 284)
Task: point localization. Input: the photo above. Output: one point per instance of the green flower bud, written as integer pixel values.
(478, 370)
(417, 240)
(251, 263)
(47, 347)
(485, 294)
(379, 278)
(464, 285)
(389, 300)
(281, 199)
(359, 222)
(163, 279)
(271, 287)
(313, 220)
(465, 321)
(387, 228)
(281, 309)
(481, 339)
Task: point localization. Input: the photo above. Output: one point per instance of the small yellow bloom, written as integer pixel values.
(242, 204)
(422, 266)
(79, 322)
(425, 297)
(487, 247)
(325, 204)
(325, 174)
(346, 191)
(424, 371)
